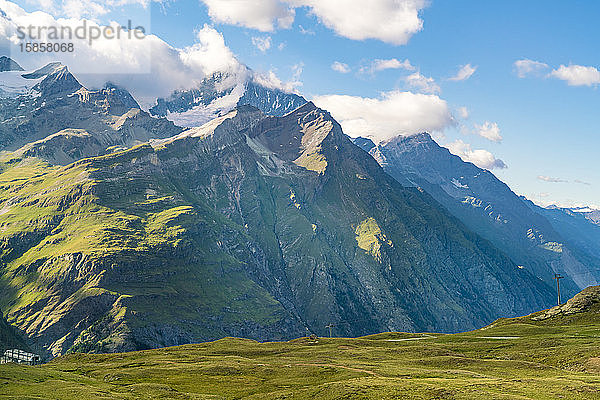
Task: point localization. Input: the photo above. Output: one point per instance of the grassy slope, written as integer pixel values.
(545, 358)
(56, 214)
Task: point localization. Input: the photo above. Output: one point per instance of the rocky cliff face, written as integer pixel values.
(270, 101)
(487, 206)
(250, 225)
(83, 122)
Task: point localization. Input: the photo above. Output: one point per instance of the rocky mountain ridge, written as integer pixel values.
(47, 113)
(487, 206)
(220, 93)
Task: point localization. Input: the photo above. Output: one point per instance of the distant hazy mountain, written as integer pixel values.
(251, 225)
(488, 206)
(579, 226)
(591, 214)
(219, 94)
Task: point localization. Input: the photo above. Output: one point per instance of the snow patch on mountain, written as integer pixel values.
(458, 184)
(200, 114)
(221, 93)
(590, 213)
(583, 210)
(13, 83)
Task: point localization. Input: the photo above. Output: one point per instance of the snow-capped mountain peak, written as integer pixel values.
(220, 93)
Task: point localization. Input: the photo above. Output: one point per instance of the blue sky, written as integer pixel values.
(548, 121)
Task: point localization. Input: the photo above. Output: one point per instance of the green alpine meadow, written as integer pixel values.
(551, 354)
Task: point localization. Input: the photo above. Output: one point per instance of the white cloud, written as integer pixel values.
(262, 15)
(464, 73)
(383, 64)
(463, 112)
(209, 53)
(262, 43)
(271, 80)
(422, 83)
(84, 8)
(481, 158)
(394, 113)
(551, 179)
(306, 31)
(340, 67)
(148, 68)
(489, 130)
(393, 63)
(574, 75)
(577, 75)
(391, 21)
(526, 67)
(297, 70)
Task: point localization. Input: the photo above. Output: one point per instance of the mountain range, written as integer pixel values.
(122, 230)
(544, 241)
